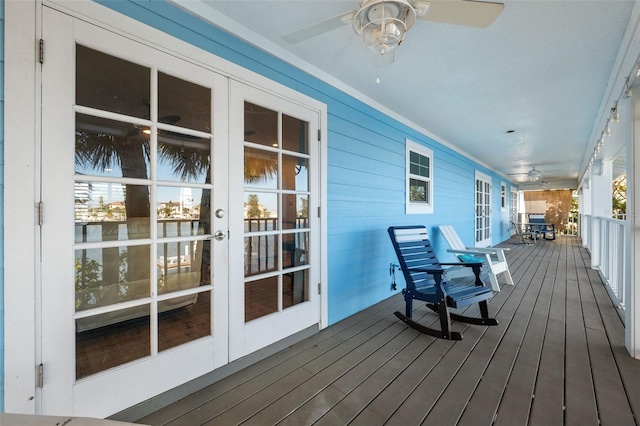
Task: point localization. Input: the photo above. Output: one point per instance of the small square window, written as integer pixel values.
(419, 178)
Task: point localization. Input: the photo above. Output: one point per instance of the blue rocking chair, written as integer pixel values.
(426, 281)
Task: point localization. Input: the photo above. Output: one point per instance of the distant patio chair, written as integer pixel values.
(537, 224)
(495, 262)
(525, 235)
(426, 280)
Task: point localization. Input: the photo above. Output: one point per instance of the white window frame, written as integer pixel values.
(504, 205)
(413, 207)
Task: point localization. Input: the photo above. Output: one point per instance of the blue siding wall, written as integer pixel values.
(366, 167)
(1, 205)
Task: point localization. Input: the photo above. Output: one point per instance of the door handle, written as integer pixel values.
(219, 235)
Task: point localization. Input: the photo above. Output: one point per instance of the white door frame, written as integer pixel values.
(23, 139)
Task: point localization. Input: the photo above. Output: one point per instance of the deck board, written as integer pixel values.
(556, 357)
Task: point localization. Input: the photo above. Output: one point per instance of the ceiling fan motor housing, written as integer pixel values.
(382, 24)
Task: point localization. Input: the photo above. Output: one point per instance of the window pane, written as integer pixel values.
(295, 249)
(115, 338)
(110, 148)
(295, 288)
(295, 173)
(260, 125)
(111, 212)
(260, 168)
(183, 319)
(179, 208)
(418, 164)
(295, 135)
(260, 298)
(183, 158)
(260, 211)
(110, 275)
(295, 211)
(183, 103)
(418, 191)
(260, 254)
(180, 266)
(112, 84)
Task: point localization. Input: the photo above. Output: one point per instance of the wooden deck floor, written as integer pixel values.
(557, 357)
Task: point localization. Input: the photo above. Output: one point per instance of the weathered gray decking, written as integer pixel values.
(557, 357)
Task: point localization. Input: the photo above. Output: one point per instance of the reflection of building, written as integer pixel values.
(186, 199)
(82, 196)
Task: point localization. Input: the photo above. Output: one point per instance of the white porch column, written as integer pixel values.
(584, 206)
(601, 193)
(632, 284)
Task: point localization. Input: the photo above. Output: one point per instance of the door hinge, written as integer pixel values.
(40, 376)
(319, 289)
(41, 51)
(40, 213)
(319, 135)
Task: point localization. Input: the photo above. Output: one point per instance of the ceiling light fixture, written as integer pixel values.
(534, 175)
(382, 24)
(616, 116)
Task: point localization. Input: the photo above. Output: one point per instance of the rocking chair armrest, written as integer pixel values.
(467, 264)
(489, 250)
(432, 271)
(468, 251)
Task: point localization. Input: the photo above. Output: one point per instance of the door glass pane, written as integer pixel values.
(295, 173)
(183, 158)
(105, 276)
(179, 265)
(295, 249)
(295, 211)
(260, 211)
(260, 168)
(115, 338)
(179, 210)
(260, 125)
(295, 288)
(183, 319)
(182, 103)
(295, 134)
(103, 212)
(260, 298)
(112, 84)
(111, 148)
(260, 254)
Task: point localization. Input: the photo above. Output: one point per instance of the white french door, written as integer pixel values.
(134, 185)
(178, 231)
(276, 293)
(483, 210)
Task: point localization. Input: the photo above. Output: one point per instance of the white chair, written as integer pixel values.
(493, 257)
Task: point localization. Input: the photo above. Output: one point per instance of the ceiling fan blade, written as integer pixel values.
(318, 28)
(463, 12)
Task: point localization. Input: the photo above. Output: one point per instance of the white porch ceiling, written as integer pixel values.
(543, 69)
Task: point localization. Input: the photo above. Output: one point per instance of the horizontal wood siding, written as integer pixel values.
(365, 171)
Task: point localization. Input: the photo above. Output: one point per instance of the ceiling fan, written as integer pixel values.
(382, 24)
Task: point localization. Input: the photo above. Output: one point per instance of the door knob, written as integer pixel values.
(219, 235)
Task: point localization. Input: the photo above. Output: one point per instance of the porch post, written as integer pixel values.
(601, 193)
(584, 205)
(632, 284)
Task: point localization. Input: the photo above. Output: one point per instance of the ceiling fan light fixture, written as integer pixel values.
(382, 24)
(534, 175)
